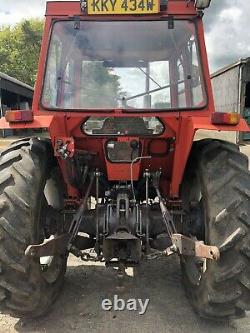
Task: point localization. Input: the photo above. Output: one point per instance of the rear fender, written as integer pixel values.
(184, 141)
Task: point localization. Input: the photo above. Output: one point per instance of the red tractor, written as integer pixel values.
(122, 87)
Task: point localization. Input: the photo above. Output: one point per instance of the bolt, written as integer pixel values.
(173, 248)
(33, 252)
(59, 142)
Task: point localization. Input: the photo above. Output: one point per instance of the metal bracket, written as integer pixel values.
(50, 247)
(77, 22)
(114, 247)
(189, 247)
(83, 5)
(64, 147)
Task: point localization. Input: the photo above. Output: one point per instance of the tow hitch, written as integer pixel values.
(122, 243)
(181, 244)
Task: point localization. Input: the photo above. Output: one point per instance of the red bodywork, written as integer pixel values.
(180, 127)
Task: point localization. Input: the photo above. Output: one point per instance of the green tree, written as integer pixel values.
(100, 86)
(20, 48)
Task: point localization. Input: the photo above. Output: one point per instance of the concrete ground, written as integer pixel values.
(78, 309)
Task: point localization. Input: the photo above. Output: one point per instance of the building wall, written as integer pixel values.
(226, 91)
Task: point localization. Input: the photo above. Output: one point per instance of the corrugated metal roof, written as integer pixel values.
(15, 81)
(227, 68)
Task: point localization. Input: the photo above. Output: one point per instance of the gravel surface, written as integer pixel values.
(78, 309)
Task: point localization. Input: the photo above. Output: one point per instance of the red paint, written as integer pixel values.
(180, 127)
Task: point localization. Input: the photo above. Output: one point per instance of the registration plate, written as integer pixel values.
(107, 7)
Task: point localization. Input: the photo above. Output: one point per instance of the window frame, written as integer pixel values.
(204, 88)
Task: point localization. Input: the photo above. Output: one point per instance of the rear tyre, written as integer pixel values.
(30, 189)
(216, 195)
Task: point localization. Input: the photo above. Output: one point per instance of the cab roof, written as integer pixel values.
(72, 8)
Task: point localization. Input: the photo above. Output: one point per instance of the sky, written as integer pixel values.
(226, 26)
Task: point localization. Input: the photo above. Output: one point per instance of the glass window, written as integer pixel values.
(130, 65)
(138, 126)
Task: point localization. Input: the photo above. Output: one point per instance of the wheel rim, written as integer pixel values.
(50, 266)
(195, 267)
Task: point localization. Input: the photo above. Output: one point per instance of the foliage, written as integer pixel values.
(19, 54)
(100, 87)
(20, 48)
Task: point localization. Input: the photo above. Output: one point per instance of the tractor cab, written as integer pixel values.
(122, 87)
(129, 65)
(129, 69)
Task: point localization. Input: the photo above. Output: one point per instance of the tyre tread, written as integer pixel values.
(228, 196)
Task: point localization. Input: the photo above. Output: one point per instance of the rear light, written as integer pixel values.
(18, 116)
(220, 118)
